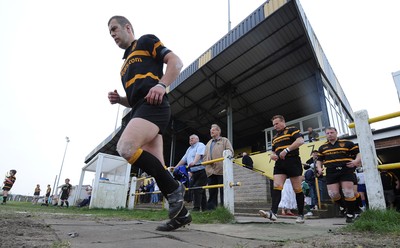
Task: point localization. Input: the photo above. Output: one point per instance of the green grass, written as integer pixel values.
(220, 215)
(377, 221)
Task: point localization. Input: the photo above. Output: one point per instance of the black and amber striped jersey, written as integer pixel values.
(9, 182)
(143, 67)
(337, 154)
(284, 139)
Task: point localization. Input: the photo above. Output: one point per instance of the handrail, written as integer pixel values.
(389, 166)
(379, 118)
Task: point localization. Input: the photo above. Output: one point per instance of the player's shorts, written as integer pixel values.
(355, 180)
(339, 174)
(64, 196)
(361, 188)
(157, 114)
(291, 167)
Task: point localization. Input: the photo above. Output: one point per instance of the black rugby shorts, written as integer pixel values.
(157, 114)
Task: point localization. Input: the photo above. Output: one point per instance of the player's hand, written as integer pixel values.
(351, 164)
(283, 154)
(114, 97)
(274, 157)
(155, 95)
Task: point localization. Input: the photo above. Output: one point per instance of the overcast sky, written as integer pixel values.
(58, 61)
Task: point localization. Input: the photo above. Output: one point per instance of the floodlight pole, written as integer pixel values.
(62, 163)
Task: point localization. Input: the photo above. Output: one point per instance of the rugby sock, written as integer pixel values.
(351, 205)
(276, 198)
(67, 203)
(364, 203)
(300, 202)
(152, 166)
(340, 202)
(358, 200)
(4, 199)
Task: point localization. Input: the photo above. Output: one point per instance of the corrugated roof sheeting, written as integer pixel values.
(266, 65)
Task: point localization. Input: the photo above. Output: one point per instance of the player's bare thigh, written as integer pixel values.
(139, 133)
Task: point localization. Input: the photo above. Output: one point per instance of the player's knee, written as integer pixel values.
(348, 193)
(333, 194)
(298, 190)
(126, 150)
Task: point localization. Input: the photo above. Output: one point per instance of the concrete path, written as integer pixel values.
(245, 232)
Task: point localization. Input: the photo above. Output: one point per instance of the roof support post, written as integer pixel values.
(229, 117)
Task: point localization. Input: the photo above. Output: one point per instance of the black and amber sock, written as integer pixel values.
(276, 199)
(350, 204)
(358, 200)
(300, 201)
(339, 201)
(152, 166)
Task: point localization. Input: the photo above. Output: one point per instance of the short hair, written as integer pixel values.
(122, 20)
(331, 128)
(278, 117)
(13, 172)
(194, 135)
(216, 127)
(314, 151)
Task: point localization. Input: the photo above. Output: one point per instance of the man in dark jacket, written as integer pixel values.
(247, 161)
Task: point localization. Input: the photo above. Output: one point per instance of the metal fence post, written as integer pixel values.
(228, 180)
(132, 193)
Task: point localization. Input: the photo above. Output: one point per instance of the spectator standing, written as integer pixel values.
(150, 190)
(142, 189)
(36, 194)
(312, 135)
(390, 183)
(247, 161)
(8, 184)
(145, 83)
(309, 176)
(361, 189)
(340, 158)
(47, 196)
(214, 149)
(285, 153)
(193, 158)
(288, 200)
(155, 197)
(307, 198)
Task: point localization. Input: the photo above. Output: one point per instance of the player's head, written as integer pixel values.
(278, 121)
(331, 133)
(13, 172)
(121, 31)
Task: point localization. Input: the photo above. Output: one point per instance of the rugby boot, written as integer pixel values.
(175, 223)
(268, 214)
(175, 201)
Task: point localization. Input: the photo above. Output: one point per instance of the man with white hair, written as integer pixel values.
(193, 158)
